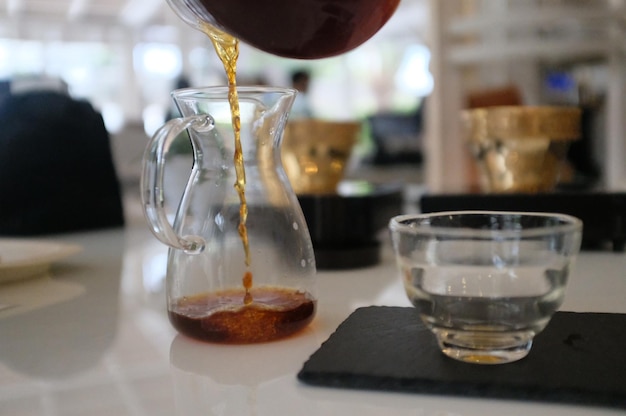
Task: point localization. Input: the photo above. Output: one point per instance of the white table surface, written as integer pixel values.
(92, 338)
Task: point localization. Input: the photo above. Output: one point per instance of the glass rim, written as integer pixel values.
(568, 223)
(222, 91)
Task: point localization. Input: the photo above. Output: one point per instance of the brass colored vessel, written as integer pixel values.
(520, 148)
(315, 153)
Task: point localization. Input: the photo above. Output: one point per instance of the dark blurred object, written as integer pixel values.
(397, 137)
(571, 84)
(56, 167)
(581, 155)
(5, 89)
(344, 226)
(603, 214)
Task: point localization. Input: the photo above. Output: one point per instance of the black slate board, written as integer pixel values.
(579, 358)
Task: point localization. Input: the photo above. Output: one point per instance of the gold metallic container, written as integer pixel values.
(315, 153)
(520, 148)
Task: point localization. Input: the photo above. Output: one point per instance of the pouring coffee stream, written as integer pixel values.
(227, 48)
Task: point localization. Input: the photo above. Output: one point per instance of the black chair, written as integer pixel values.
(56, 167)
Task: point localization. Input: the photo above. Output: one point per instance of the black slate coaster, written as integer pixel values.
(579, 358)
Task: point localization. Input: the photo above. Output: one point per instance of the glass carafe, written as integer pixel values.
(216, 290)
(305, 29)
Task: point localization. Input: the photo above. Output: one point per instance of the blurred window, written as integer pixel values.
(156, 65)
(93, 71)
(135, 85)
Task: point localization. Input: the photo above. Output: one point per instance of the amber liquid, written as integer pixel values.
(275, 313)
(307, 29)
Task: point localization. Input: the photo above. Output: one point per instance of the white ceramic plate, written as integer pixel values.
(24, 258)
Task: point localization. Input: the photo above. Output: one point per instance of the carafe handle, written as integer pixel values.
(152, 195)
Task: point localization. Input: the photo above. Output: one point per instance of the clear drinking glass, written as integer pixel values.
(485, 282)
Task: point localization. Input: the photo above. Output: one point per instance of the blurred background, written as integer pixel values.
(407, 84)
